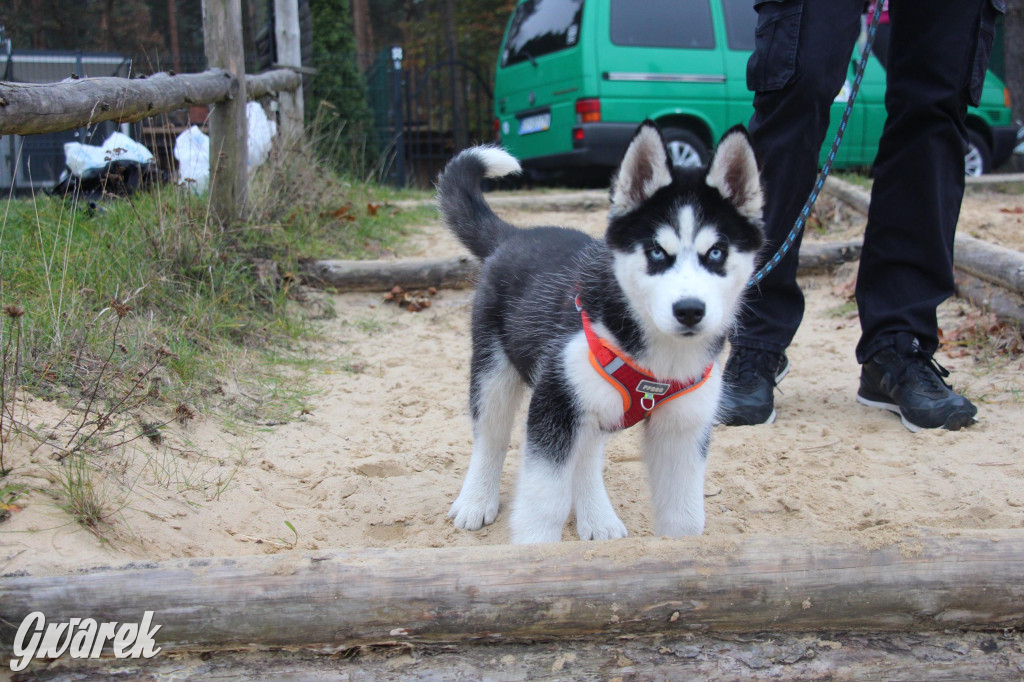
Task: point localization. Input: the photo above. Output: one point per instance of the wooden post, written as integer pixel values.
(229, 173)
(288, 37)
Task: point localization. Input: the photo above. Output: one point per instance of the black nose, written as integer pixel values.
(689, 311)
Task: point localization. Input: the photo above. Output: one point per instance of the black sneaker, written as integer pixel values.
(904, 379)
(751, 376)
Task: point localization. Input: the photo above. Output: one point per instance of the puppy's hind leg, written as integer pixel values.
(495, 391)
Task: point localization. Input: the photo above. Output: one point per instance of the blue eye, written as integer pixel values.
(716, 254)
(656, 254)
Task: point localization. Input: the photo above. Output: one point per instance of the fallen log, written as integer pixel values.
(936, 581)
(991, 262)
(687, 656)
(382, 275)
(461, 271)
(990, 297)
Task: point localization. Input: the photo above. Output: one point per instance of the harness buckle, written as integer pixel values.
(647, 402)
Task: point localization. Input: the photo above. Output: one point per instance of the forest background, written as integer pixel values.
(347, 37)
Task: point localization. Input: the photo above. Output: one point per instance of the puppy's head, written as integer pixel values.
(685, 240)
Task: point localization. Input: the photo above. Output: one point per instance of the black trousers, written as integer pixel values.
(938, 55)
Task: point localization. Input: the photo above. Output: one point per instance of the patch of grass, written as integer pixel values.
(81, 496)
(10, 493)
(136, 311)
(191, 286)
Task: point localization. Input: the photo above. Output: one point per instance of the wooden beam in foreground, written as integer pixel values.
(968, 579)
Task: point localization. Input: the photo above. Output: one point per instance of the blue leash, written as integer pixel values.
(801, 220)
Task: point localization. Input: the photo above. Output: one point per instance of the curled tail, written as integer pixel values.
(462, 204)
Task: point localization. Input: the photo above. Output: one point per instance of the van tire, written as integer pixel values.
(978, 159)
(686, 148)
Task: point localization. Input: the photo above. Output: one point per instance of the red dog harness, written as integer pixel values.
(641, 393)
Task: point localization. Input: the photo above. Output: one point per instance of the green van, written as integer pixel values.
(575, 77)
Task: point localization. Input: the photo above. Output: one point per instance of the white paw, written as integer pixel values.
(679, 525)
(523, 534)
(603, 526)
(472, 512)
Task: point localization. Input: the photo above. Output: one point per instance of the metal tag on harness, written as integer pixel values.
(652, 387)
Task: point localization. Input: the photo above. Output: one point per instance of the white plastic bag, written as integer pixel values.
(192, 150)
(261, 134)
(80, 158)
(120, 147)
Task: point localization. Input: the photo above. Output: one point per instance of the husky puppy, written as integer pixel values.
(658, 296)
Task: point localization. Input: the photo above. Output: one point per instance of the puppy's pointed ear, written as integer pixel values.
(734, 173)
(644, 170)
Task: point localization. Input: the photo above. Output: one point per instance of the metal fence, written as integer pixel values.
(423, 109)
(33, 163)
(426, 109)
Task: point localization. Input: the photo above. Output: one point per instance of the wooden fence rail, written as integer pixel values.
(29, 108)
(33, 108)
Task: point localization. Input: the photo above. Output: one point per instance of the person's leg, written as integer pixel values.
(800, 62)
(906, 268)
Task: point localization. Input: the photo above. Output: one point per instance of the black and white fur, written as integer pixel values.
(665, 286)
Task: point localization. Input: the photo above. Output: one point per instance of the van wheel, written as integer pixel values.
(685, 148)
(978, 159)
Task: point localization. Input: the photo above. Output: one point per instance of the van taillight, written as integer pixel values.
(588, 110)
(1006, 98)
(497, 130)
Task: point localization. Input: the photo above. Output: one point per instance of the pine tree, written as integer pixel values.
(338, 100)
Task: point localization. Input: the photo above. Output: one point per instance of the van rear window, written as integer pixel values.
(662, 23)
(540, 27)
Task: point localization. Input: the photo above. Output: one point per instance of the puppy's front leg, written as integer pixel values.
(675, 452)
(595, 517)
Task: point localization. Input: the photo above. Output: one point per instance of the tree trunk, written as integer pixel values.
(172, 29)
(363, 29)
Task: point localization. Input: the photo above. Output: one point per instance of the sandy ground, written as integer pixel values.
(381, 455)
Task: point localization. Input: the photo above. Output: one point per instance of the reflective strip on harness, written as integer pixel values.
(641, 393)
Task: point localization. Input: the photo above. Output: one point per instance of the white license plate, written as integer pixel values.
(535, 123)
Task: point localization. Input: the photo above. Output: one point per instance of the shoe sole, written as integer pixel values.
(912, 427)
(955, 422)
